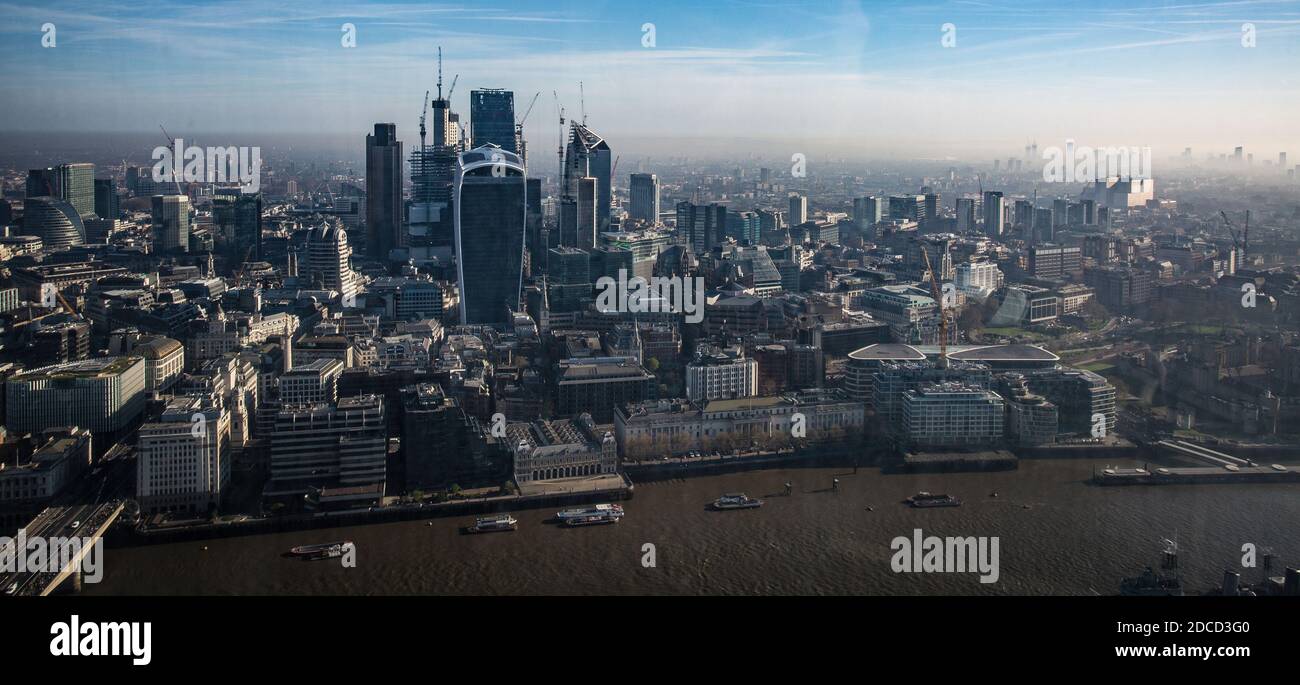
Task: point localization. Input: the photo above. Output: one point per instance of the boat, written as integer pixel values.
(922, 500)
(613, 510)
(738, 500)
(1151, 584)
(493, 524)
(591, 519)
(324, 550)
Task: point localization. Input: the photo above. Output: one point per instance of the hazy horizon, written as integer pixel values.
(843, 79)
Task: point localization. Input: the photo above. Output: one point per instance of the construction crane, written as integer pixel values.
(559, 176)
(943, 315)
(519, 127)
(171, 143)
(1240, 240)
(582, 102)
(423, 112)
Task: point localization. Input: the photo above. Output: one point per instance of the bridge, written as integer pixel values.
(89, 522)
(1183, 448)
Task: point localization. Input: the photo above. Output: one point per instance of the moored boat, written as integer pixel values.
(922, 500)
(493, 524)
(738, 500)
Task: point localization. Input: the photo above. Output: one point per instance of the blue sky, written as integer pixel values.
(859, 75)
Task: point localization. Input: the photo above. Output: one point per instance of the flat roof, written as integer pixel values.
(884, 351)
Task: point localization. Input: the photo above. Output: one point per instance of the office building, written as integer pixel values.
(171, 223)
(950, 415)
(76, 184)
(383, 191)
(491, 202)
(718, 374)
(598, 384)
(103, 395)
(54, 221)
(107, 204)
(643, 191)
(994, 214)
(237, 225)
(492, 119)
(798, 210)
(341, 446)
(183, 461)
(588, 155)
(329, 261)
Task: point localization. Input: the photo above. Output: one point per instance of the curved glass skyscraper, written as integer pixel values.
(491, 197)
(55, 221)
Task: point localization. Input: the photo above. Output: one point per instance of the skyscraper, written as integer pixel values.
(701, 226)
(329, 261)
(171, 223)
(41, 183)
(994, 213)
(237, 221)
(587, 217)
(965, 214)
(54, 221)
(492, 118)
(867, 211)
(589, 155)
(107, 205)
(644, 195)
(76, 184)
(798, 210)
(490, 206)
(383, 191)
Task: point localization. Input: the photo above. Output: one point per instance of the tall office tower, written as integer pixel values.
(1044, 225)
(1089, 212)
(76, 183)
(491, 206)
(1281, 160)
(644, 192)
(568, 279)
(965, 214)
(180, 471)
(132, 175)
(1022, 214)
(6, 213)
(588, 155)
(237, 221)
(1236, 153)
(54, 221)
(383, 191)
(701, 227)
(171, 223)
(798, 210)
(931, 206)
(534, 239)
(587, 217)
(744, 227)
(764, 175)
(994, 213)
(907, 207)
(1060, 212)
(867, 211)
(329, 261)
(492, 119)
(41, 183)
(107, 204)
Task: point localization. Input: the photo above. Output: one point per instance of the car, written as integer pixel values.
(76, 525)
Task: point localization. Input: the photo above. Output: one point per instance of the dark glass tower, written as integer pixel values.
(383, 191)
(107, 205)
(492, 118)
(491, 205)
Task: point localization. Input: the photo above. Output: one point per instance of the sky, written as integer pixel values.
(849, 78)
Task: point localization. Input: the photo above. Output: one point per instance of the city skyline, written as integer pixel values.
(850, 78)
